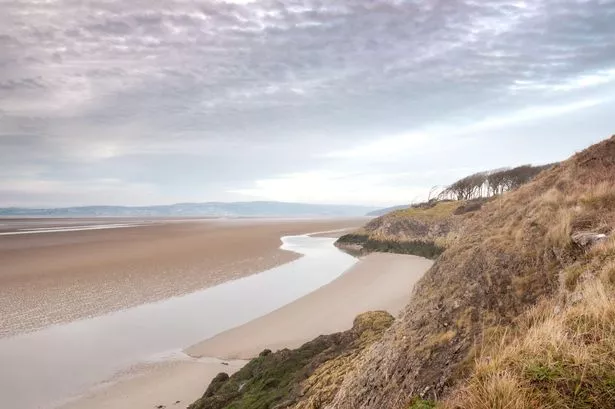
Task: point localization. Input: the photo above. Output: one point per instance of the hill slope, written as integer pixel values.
(210, 209)
(423, 229)
(518, 312)
(382, 212)
(515, 251)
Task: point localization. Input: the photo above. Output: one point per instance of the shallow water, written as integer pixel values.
(44, 368)
(68, 229)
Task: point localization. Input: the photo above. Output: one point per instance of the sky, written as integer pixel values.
(368, 102)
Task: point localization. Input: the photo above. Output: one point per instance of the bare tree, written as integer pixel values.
(491, 183)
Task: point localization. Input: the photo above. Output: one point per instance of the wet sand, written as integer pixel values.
(377, 282)
(55, 277)
(174, 384)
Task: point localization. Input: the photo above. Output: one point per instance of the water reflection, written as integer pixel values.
(45, 367)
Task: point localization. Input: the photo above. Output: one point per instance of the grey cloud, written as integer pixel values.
(146, 76)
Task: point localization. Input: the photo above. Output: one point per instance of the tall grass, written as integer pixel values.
(559, 358)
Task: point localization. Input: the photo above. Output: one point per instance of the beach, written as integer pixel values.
(49, 277)
(377, 282)
(173, 384)
(143, 313)
(380, 281)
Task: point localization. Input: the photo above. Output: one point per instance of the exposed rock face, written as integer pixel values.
(421, 230)
(429, 222)
(585, 239)
(508, 256)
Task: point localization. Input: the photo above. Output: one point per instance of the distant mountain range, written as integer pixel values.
(209, 209)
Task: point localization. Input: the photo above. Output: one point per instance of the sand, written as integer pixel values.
(378, 282)
(49, 278)
(173, 384)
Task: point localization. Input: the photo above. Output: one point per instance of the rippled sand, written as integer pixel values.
(58, 277)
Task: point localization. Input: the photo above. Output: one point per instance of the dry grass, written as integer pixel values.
(499, 391)
(439, 211)
(607, 275)
(560, 355)
(571, 276)
(561, 228)
(507, 258)
(600, 197)
(559, 358)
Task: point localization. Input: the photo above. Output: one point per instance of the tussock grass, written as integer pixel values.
(532, 311)
(600, 197)
(559, 358)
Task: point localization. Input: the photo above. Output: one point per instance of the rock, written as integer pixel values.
(216, 384)
(588, 239)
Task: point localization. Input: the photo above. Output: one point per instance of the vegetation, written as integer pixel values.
(422, 404)
(360, 244)
(514, 313)
(556, 359)
(491, 183)
(420, 230)
(300, 378)
(518, 312)
(432, 210)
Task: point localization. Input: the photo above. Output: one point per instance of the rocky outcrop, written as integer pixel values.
(422, 230)
(587, 239)
(300, 378)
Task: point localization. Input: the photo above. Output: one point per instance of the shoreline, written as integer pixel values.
(65, 276)
(172, 383)
(377, 282)
(71, 359)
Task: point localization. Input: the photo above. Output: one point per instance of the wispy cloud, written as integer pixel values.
(169, 93)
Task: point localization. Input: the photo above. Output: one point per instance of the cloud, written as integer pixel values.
(334, 187)
(50, 193)
(251, 90)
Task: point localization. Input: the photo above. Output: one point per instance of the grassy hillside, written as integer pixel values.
(499, 297)
(517, 312)
(423, 229)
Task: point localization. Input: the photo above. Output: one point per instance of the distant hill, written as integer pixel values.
(209, 209)
(382, 212)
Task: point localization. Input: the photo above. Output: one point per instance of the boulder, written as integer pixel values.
(588, 239)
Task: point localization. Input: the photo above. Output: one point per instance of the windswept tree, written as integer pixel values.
(491, 183)
(466, 188)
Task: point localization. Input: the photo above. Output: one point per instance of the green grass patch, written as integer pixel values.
(427, 249)
(422, 404)
(274, 380)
